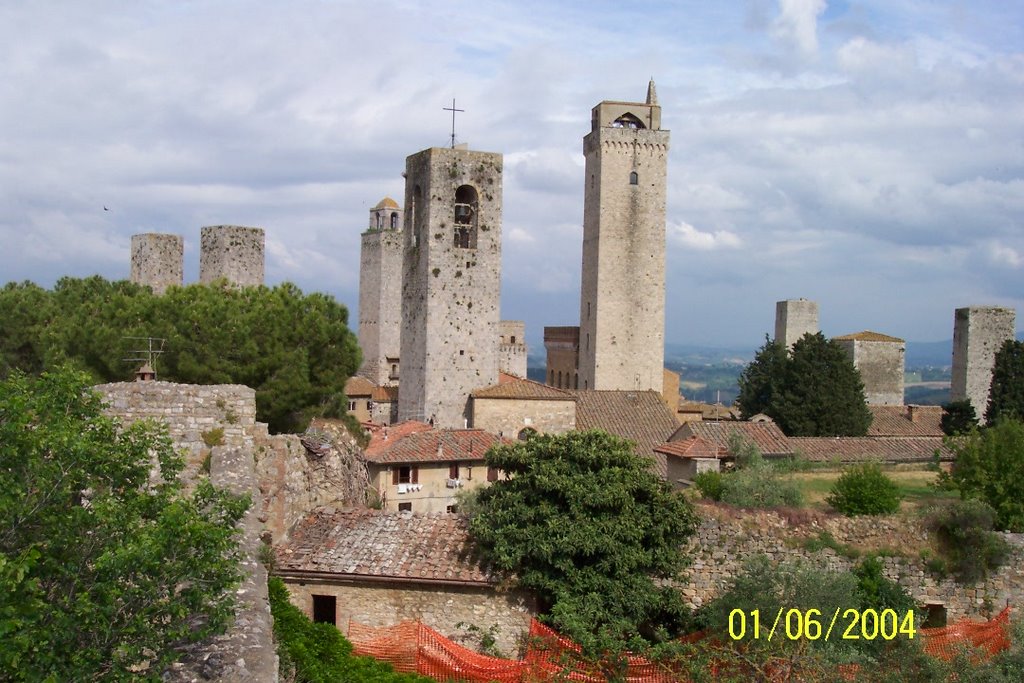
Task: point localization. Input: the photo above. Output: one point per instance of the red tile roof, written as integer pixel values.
(860, 448)
(373, 544)
(358, 386)
(693, 447)
(517, 388)
(868, 336)
(895, 421)
(419, 442)
(766, 435)
(640, 416)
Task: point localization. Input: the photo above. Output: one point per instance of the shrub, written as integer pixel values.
(213, 437)
(864, 490)
(759, 486)
(971, 547)
(709, 484)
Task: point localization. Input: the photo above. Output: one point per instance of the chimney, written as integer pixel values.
(914, 413)
(145, 374)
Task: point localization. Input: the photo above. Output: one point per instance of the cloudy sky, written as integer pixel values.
(867, 154)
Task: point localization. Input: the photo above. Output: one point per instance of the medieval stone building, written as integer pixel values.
(232, 252)
(978, 333)
(157, 260)
(380, 293)
(880, 360)
(793, 319)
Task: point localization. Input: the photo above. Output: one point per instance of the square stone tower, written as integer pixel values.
(232, 252)
(451, 282)
(157, 260)
(512, 347)
(380, 294)
(978, 333)
(793, 319)
(880, 360)
(622, 294)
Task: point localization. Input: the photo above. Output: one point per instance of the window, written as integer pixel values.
(492, 474)
(634, 179)
(405, 507)
(380, 221)
(405, 474)
(451, 509)
(325, 609)
(369, 405)
(453, 471)
(351, 405)
(576, 381)
(465, 217)
(628, 120)
(551, 377)
(526, 433)
(394, 371)
(394, 220)
(513, 339)
(559, 379)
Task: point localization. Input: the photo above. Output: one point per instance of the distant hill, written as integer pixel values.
(929, 354)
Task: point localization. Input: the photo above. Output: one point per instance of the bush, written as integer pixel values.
(864, 490)
(972, 548)
(759, 486)
(989, 466)
(709, 484)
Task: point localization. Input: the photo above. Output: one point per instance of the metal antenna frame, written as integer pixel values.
(148, 354)
(452, 109)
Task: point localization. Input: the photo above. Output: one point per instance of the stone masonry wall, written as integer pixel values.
(793, 319)
(728, 537)
(508, 416)
(232, 252)
(380, 303)
(512, 347)
(440, 608)
(978, 333)
(881, 368)
(157, 260)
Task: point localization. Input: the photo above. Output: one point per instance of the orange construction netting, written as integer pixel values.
(411, 647)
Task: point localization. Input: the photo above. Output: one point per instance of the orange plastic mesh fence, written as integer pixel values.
(411, 647)
(990, 637)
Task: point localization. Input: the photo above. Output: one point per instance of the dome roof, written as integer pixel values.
(387, 203)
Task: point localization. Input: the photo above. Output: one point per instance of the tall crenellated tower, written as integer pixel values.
(380, 293)
(622, 302)
(232, 252)
(157, 260)
(451, 282)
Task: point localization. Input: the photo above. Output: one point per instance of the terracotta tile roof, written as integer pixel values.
(382, 545)
(640, 416)
(384, 394)
(693, 447)
(518, 388)
(358, 386)
(869, 336)
(858, 448)
(767, 435)
(419, 442)
(895, 421)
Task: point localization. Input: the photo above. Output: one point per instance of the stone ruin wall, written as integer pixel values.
(233, 252)
(157, 260)
(727, 538)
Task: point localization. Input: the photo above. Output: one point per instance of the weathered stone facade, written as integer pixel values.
(380, 293)
(622, 295)
(232, 252)
(439, 607)
(510, 416)
(512, 347)
(978, 333)
(793, 319)
(157, 260)
(563, 354)
(880, 359)
(451, 282)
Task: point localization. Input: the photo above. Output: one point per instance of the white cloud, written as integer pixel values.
(685, 235)
(1002, 255)
(797, 24)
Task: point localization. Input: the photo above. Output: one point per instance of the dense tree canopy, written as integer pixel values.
(295, 350)
(958, 417)
(583, 521)
(989, 466)
(1006, 392)
(105, 565)
(813, 391)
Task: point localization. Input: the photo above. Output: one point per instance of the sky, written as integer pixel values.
(867, 155)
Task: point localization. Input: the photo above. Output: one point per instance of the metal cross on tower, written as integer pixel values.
(452, 109)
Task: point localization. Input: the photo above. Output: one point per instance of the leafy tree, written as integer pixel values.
(864, 490)
(989, 465)
(106, 566)
(582, 521)
(958, 417)
(971, 547)
(761, 381)
(295, 350)
(1006, 392)
(822, 393)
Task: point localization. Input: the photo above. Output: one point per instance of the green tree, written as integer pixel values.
(822, 393)
(1006, 392)
(582, 521)
(106, 566)
(989, 465)
(864, 490)
(761, 381)
(958, 417)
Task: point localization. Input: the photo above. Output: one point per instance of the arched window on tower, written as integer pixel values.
(394, 220)
(380, 220)
(628, 120)
(465, 217)
(634, 179)
(413, 222)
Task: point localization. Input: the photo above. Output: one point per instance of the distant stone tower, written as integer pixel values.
(157, 260)
(622, 294)
(563, 357)
(880, 360)
(978, 333)
(512, 347)
(232, 252)
(793, 319)
(380, 294)
(451, 282)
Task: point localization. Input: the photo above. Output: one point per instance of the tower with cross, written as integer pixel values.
(622, 294)
(451, 282)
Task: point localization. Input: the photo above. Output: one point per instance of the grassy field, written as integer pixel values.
(914, 483)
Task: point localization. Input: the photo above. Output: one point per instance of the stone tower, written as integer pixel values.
(793, 319)
(512, 347)
(880, 360)
(157, 260)
(232, 252)
(622, 294)
(451, 282)
(380, 293)
(978, 333)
